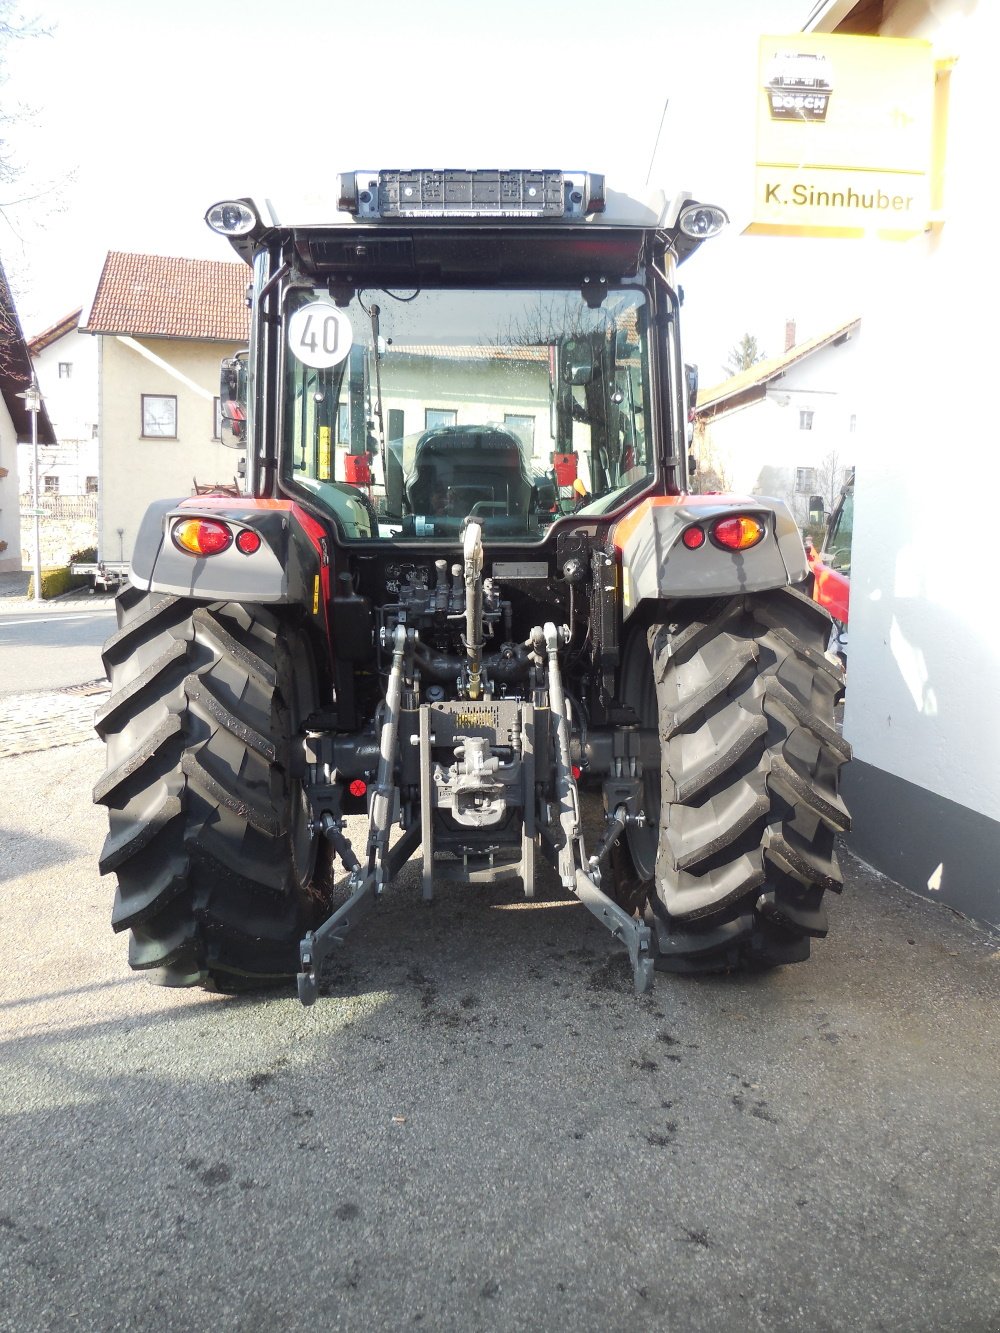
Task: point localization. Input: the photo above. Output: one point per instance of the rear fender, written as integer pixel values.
(832, 590)
(291, 567)
(656, 564)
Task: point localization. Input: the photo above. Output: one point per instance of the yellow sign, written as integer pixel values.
(844, 135)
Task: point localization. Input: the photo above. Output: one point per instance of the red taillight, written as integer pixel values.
(738, 533)
(577, 770)
(358, 787)
(693, 537)
(247, 541)
(201, 536)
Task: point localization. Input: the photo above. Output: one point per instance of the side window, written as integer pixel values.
(524, 429)
(159, 416)
(838, 545)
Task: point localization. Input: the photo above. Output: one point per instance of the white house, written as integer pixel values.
(15, 425)
(923, 704)
(65, 363)
(162, 327)
(786, 426)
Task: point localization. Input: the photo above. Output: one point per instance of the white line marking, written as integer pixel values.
(48, 620)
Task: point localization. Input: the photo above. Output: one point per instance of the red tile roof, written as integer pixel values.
(714, 400)
(158, 296)
(48, 336)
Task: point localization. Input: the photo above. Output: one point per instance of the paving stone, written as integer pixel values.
(30, 722)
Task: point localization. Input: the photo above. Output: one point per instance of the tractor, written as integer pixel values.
(467, 593)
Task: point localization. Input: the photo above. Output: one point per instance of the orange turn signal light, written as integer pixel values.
(738, 533)
(201, 536)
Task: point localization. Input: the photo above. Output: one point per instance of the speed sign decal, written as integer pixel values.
(320, 335)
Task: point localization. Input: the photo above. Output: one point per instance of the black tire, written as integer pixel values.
(209, 831)
(738, 849)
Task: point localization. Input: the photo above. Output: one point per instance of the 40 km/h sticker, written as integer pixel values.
(320, 335)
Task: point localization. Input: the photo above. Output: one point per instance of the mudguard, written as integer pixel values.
(832, 589)
(292, 564)
(656, 564)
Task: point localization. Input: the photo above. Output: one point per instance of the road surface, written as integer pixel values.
(479, 1126)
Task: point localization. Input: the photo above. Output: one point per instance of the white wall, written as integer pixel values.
(136, 470)
(924, 702)
(10, 514)
(71, 402)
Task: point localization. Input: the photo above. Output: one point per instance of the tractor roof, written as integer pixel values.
(510, 201)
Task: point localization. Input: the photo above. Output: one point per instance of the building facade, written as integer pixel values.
(65, 364)
(15, 425)
(162, 326)
(785, 427)
(923, 703)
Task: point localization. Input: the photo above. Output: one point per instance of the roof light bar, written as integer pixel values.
(231, 217)
(472, 194)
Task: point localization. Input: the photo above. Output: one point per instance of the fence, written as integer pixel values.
(61, 506)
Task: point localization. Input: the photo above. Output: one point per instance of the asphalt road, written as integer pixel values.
(480, 1126)
(53, 648)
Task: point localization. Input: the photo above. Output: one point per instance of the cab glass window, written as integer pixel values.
(407, 413)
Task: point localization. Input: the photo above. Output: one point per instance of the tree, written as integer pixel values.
(830, 477)
(712, 474)
(746, 353)
(20, 193)
(14, 27)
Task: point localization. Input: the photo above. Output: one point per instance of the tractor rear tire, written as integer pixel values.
(209, 827)
(738, 849)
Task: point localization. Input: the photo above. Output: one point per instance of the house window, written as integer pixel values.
(523, 428)
(806, 419)
(805, 480)
(65, 369)
(94, 431)
(854, 423)
(439, 416)
(51, 485)
(91, 485)
(343, 424)
(216, 418)
(159, 415)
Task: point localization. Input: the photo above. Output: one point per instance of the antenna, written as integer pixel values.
(656, 144)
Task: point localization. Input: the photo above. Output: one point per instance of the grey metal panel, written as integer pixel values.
(148, 542)
(656, 564)
(921, 839)
(158, 566)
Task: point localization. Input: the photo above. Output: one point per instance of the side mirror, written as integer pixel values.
(817, 509)
(233, 400)
(577, 358)
(691, 373)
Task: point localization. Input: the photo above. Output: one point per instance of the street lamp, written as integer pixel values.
(33, 402)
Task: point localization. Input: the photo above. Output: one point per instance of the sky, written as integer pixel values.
(140, 116)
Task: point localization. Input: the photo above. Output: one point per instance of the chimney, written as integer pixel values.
(789, 334)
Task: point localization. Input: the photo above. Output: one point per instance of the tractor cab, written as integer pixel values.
(452, 344)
